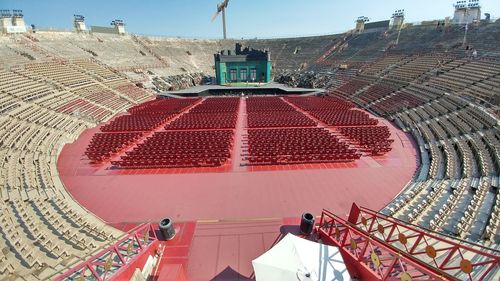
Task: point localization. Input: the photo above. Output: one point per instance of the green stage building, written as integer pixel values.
(242, 65)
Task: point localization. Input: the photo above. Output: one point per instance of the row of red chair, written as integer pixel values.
(296, 145)
(261, 119)
(190, 121)
(217, 105)
(103, 145)
(265, 112)
(149, 115)
(170, 163)
(373, 139)
(212, 113)
(271, 104)
(344, 117)
(180, 149)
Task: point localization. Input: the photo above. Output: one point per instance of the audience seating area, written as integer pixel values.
(179, 149)
(373, 139)
(351, 87)
(296, 145)
(354, 125)
(103, 145)
(435, 98)
(212, 113)
(148, 116)
(264, 112)
(200, 137)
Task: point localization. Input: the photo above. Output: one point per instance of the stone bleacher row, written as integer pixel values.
(96, 94)
(42, 107)
(459, 194)
(375, 92)
(455, 190)
(351, 87)
(34, 200)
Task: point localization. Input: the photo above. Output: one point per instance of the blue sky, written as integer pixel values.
(245, 18)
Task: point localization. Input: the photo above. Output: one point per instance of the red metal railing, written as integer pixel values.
(381, 248)
(117, 258)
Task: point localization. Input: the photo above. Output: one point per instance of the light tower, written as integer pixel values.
(119, 26)
(18, 21)
(360, 23)
(12, 22)
(467, 12)
(5, 20)
(79, 23)
(398, 18)
(222, 8)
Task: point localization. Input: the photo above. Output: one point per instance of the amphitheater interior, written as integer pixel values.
(54, 85)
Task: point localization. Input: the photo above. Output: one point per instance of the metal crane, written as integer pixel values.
(222, 8)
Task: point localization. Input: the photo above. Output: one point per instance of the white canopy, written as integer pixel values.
(297, 259)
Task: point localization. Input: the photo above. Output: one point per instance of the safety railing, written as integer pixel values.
(113, 261)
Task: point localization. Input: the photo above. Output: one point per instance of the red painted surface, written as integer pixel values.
(260, 191)
(172, 272)
(258, 197)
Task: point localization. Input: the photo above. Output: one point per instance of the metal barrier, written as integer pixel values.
(118, 259)
(376, 247)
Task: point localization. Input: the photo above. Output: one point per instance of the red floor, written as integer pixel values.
(254, 196)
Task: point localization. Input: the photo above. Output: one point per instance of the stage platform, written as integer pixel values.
(233, 191)
(235, 212)
(206, 90)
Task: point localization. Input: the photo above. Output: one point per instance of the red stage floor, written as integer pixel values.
(258, 192)
(237, 212)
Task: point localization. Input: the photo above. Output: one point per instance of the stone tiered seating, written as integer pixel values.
(457, 198)
(381, 65)
(22, 87)
(416, 66)
(374, 92)
(133, 92)
(351, 87)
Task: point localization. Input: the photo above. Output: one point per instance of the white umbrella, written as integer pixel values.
(297, 259)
